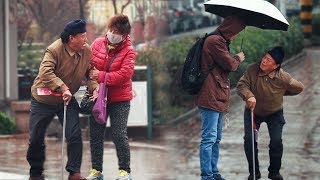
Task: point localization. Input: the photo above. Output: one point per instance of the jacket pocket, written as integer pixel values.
(223, 89)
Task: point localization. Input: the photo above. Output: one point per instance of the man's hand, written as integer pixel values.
(251, 103)
(66, 96)
(241, 56)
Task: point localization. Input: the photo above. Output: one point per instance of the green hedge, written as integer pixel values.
(7, 125)
(167, 60)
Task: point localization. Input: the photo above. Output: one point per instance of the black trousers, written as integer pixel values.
(40, 117)
(275, 123)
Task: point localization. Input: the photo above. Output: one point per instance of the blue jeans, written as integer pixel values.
(211, 134)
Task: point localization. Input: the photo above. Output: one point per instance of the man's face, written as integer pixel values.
(78, 41)
(268, 64)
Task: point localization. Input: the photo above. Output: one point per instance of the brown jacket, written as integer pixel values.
(59, 67)
(268, 89)
(215, 91)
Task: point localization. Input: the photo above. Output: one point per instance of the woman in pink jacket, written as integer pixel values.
(116, 52)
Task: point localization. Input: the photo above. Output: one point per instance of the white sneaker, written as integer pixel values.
(124, 175)
(95, 175)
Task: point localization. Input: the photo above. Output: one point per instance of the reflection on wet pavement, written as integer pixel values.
(147, 160)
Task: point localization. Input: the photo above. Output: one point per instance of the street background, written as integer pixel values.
(173, 155)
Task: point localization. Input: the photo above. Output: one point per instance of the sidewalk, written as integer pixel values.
(12, 176)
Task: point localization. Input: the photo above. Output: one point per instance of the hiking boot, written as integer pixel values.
(95, 175)
(258, 176)
(36, 177)
(124, 175)
(218, 177)
(275, 176)
(76, 176)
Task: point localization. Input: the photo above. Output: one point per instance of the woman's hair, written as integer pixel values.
(121, 23)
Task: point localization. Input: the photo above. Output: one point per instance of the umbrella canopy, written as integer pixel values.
(257, 13)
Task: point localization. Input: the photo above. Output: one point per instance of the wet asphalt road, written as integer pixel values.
(175, 155)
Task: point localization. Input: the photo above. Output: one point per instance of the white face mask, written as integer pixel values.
(114, 38)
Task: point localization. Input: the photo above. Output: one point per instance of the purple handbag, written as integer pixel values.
(99, 110)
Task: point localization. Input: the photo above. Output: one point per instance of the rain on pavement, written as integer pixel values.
(178, 158)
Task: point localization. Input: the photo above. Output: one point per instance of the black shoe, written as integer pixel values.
(36, 177)
(275, 176)
(218, 177)
(258, 176)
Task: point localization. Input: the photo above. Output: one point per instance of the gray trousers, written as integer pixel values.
(118, 113)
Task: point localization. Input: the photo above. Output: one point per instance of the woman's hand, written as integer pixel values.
(95, 94)
(93, 74)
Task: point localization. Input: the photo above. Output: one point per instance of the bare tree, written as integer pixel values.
(140, 6)
(23, 20)
(123, 6)
(51, 15)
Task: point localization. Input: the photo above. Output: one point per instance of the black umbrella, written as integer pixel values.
(257, 13)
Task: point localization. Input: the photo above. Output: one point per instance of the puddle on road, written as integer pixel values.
(146, 163)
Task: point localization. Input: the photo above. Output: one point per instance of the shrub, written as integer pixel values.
(7, 125)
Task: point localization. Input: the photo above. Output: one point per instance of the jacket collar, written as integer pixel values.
(70, 51)
(271, 75)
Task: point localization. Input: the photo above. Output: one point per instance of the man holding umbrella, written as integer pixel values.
(263, 86)
(213, 98)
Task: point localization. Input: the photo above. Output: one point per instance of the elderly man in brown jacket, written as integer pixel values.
(61, 71)
(263, 86)
(213, 98)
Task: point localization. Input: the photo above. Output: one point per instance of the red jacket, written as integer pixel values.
(119, 81)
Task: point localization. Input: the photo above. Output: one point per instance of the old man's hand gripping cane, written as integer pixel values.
(254, 135)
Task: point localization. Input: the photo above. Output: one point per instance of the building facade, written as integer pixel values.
(8, 55)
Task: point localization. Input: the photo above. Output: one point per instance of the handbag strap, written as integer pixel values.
(113, 57)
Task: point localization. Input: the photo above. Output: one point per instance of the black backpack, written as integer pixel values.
(192, 78)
